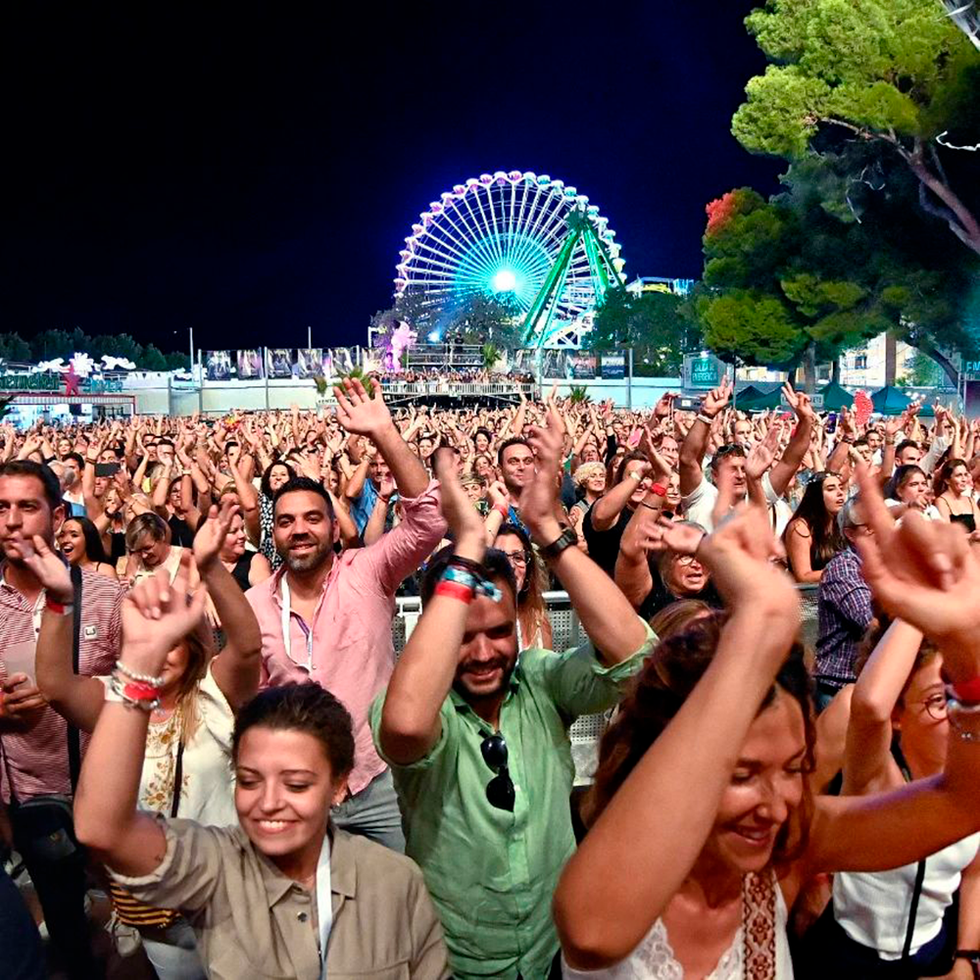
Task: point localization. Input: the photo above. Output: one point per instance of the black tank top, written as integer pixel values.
(967, 520)
(240, 572)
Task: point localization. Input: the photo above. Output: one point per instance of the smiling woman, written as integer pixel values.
(272, 896)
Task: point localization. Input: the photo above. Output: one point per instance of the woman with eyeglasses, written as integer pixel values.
(902, 922)
(703, 827)
(650, 572)
(533, 625)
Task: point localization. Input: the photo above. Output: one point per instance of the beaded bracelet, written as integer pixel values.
(133, 694)
(154, 682)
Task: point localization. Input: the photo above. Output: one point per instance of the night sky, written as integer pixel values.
(250, 172)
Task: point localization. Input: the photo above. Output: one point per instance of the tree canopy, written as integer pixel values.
(51, 344)
(894, 73)
(653, 324)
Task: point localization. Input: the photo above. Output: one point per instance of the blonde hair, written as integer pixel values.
(587, 471)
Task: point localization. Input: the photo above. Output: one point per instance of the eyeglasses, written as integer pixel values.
(500, 789)
(686, 560)
(936, 706)
(517, 557)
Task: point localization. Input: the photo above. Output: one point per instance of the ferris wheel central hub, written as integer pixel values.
(504, 282)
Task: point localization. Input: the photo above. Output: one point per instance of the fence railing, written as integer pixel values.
(568, 633)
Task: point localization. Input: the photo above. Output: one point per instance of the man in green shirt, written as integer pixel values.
(478, 742)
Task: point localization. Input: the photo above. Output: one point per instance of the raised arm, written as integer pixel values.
(785, 469)
(633, 574)
(237, 668)
(156, 616)
(696, 441)
(75, 697)
(606, 510)
(605, 613)
(646, 841)
(869, 731)
(424, 673)
(369, 416)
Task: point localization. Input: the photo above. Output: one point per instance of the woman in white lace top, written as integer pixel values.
(702, 829)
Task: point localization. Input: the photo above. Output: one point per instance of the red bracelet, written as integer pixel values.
(58, 608)
(138, 691)
(967, 692)
(455, 591)
(659, 489)
(503, 511)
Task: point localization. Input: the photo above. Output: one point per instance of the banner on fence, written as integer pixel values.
(612, 364)
(217, 365)
(582, 366)
(309, 362)
(249, 364)
(278, 362)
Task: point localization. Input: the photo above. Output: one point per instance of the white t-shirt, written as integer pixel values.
(207, 792)
(699, 505)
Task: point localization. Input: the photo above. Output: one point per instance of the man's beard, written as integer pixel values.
(310, 560)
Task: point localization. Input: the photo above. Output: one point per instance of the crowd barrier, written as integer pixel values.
(587, 730)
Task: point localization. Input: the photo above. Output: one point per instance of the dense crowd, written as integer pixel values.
(204, 717)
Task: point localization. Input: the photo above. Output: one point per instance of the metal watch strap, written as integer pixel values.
(566, 539)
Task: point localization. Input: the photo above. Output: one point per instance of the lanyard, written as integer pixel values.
(324, 901)
(286, 630)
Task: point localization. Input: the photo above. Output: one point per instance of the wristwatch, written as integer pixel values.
(566, 539)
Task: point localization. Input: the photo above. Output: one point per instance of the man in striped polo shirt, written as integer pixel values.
(34, 738)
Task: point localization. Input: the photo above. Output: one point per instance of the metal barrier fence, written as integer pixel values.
(587, 730)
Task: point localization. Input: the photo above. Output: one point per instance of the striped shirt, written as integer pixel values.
(37, 760)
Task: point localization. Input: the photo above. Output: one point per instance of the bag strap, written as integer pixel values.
(920, 872)
(74, 739)
(178, 777)
(759, 925)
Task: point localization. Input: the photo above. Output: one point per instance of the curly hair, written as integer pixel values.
(666, 680)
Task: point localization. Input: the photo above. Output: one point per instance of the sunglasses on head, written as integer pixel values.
(500, 789)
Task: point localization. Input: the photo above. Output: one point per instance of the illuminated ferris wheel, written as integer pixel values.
(521, 236)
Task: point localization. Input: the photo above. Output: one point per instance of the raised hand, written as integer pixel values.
(799, 402)
(539, 500)
(499, 496)
(763, 454)
(926, 573)
(211, 536)
(49, 568)
(156, 616)
(717, 399)
(739, 554)
(464, 522)
(359, 412)
(675, 535)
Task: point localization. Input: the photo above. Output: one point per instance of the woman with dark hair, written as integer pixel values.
(702, 826)
(533, 625)
(81, 544)
(908, 489)
(281, 893)
(812, 536)
(955, 499)
(895, 923)
(186, 766)
(276, 474)
(606, 521)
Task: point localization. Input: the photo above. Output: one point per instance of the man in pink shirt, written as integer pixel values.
(327, 618)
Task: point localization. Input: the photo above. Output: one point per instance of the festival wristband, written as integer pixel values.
(659, 489)
(967, 692)
(58, 608)
(503, 511)
(454, 590)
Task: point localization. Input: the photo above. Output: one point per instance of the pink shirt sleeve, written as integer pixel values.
(400, 552)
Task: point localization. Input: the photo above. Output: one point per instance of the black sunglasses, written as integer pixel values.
(500, 789)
